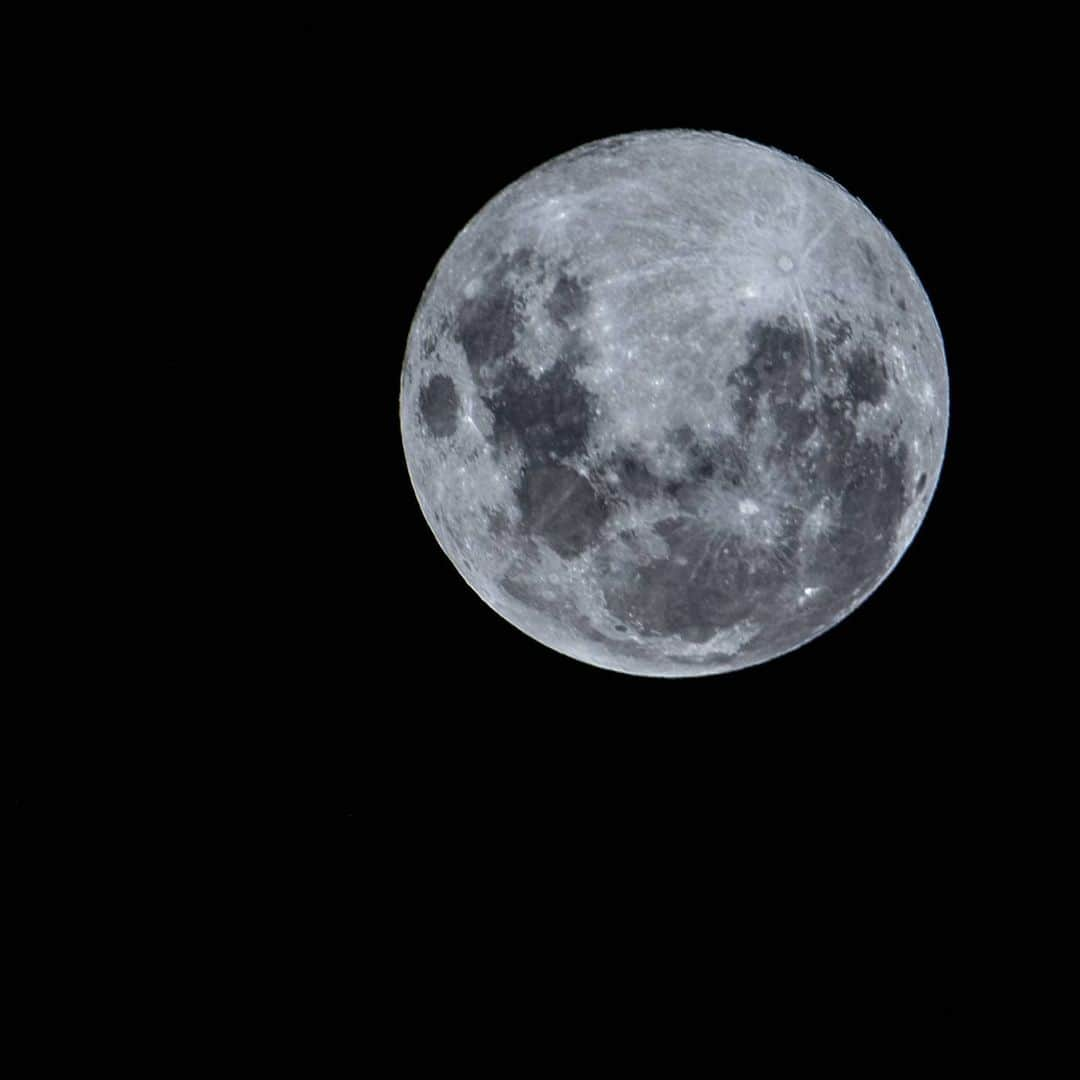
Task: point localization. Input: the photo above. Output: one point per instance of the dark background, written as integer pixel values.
(406, 138)
(323, 660)
(463, 121)
(394, 138)
(879, 732)
(864, 769)
(319, 172)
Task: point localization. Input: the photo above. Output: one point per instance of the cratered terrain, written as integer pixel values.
(674, 403)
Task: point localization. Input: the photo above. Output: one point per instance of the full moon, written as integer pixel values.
(674, 403)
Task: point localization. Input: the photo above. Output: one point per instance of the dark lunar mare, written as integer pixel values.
(715, 576)
(547, 417)
(790, 388)
(439, 406)
(638, 550)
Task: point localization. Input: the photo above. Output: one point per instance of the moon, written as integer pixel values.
(674, 403)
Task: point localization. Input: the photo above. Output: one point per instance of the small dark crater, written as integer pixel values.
(879, 326)
(866, 378)
(868, 252)
(439, 406)
(621, 629)
(901, 303)
(920, 484)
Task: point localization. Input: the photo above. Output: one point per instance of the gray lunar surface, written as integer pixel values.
(674, 403)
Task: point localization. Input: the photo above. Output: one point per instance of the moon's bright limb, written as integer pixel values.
(674, 403)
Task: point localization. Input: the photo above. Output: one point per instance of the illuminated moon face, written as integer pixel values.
(674, 403)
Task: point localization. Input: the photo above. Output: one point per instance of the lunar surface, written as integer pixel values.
(674, 403)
